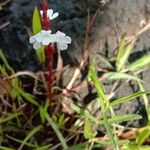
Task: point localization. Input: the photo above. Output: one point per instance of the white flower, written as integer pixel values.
(62, 40)
(45, 38)
(34, 41)
(50, 13)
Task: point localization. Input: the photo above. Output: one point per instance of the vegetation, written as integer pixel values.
(26, 121)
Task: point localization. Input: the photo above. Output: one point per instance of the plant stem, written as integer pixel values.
(49, 77)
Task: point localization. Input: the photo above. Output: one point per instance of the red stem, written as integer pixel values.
(49, 78)
(49, 50)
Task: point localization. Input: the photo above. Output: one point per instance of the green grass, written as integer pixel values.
(26, 122)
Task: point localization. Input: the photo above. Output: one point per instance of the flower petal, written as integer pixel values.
(45, 41)
(59, 33)
(62, 46)
(55, 15)
(46, 32)
(32, 39)
(37, 45)
(41, 13)
(49, 13)
(39, 37)
(68, 39)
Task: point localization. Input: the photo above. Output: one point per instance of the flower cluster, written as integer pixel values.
(45, 37)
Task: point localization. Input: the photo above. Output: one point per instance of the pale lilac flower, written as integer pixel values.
(62, 40)
(33, 40)
(50, 14)
(45, 38)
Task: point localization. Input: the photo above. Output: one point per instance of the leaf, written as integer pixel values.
(58, 133)
(104, 60)
(36, 21)
(5, 148)
(5, 87)
(41, 54)
(105, 143)
(142, 136)
(81, 146)
(118, 75)
(10, 117)
(140, 63)
(45, 147)
(61, 121)
(123, 60)
(123, 118)
(36, 27)
(20, 141)
(30, 135)
(88, 131)
(127, 98)
(43, 111)
(27, 97)
(120, 52)
(103, 101)
(3, 58)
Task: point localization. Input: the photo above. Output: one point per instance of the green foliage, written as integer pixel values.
(36, 27)
(55, 128)
(143, 134)
(127, 98)
(30, 135)
(118, 75)
(85, 120)
(139, 64)
(45, 116)
(36, 22)
(10, 117)
(123, 55)
(103, 102)
(88, 131)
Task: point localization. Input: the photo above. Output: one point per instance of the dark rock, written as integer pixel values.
(14, 38)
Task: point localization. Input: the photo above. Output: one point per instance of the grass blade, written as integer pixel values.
(30, 135)
(88, 130)
(10, 117)
(123, 118)
(127, 98)
(58, 133)
(5, 148)
(118, 75)
(142, 136)
(20, 141)
(120, 52)
(103, 101)
(104, 60)
(140, 63)
(45, 147)
(28, 97)
(123, 60)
